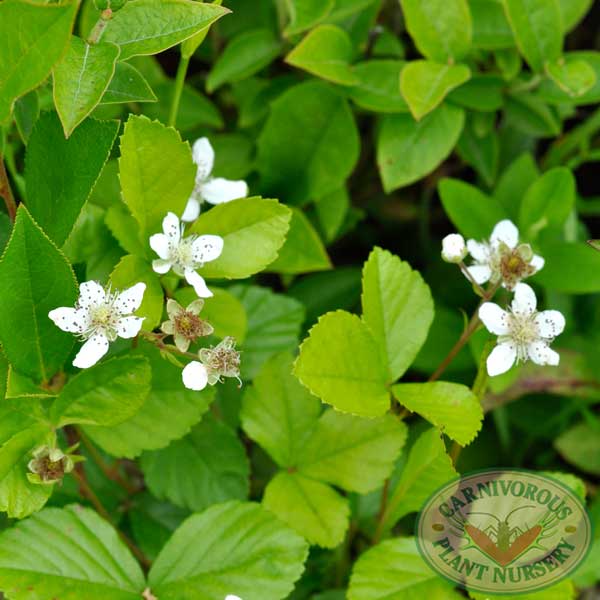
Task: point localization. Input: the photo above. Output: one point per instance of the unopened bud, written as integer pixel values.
(454, 248)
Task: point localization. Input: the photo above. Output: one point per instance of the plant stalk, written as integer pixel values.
(179, 82)
(6, 192)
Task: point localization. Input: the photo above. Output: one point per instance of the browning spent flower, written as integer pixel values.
(49, 465)
(214, 363)
(184, 324)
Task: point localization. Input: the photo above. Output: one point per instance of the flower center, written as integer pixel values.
(523, 329)
(189, 325)
(182, 254)
(49, 470)
(514, 264)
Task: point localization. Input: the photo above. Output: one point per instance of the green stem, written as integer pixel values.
(100, 26)
(179, 82)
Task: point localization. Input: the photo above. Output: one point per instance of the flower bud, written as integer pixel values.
(454, 248)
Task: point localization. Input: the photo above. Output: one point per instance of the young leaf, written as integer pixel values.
(491, 30)
(353, 453)
(60, 174)
(35, 278)
(305, 14)
(315, 510)
(395, 569)
(88, 559)
(537, 26)
(127, 85)
(325, 143)
(480, 148)
(514, 183)
(408, 150)
(573, 11)
(340, 363)
(106, 394)
(34, 37)
(398, 307)
(377, 88)
(325, 52)
(156, 170)
(303, 250)
(207, 466)
(575, 77)
(424, 84)
(151, 26)
(441, 29)
(244, 56)
(232, 547)
(473, 213)
(452, 407)
(332, 210)
(253, 230)
(278, 412)
(80, 80)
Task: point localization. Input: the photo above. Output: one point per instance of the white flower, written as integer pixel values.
(523, 333)
(502, 258)
(184, 255)
(195, 376)
(214, 190)
(99, 317)
(454, 248)
(215, 363)
(232, 597)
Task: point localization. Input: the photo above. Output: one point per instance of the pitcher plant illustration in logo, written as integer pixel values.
(504, 531)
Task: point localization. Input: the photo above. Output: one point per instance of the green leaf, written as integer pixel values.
(573, 11)
(60, 174)
(189, 46)
(452, 407)
(313, 509)
(377, 88)
(441, 29)
(482, 93)
(253, 231)
(245, 55)
(303, 250)
(532, 116)
(87, 558)
(34, 37)
(151, 26)
(332, 210)
(106, 394)
(124, 228)
(168, 414)
(473, 213)
(340, 363)
(407, 150)
(548, 202)
(233, 547)
(274, 322)
(480, 148)
(127, 85)
(398, 308)
(491, 30)
(559, 591)
(132, 270)
(26, 113)
(560, 260)
(35, 278)
(580, 447)
(575, 77)
(325, 144)
(278, 412)
(394, 569)
(353, 453)
(537, 26)
(424, 84)
(325, 52)
(207, 466)
(514, 183)
(145, 146)
(80, 80)
(427, 468)
(305, 14)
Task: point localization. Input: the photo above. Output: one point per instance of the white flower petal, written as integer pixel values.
(507, 232)
(524, 301)
(537, 262)
(550, 323)
(161, 266)
(69, 319)
(206, 248)
(480, 273)
(192, 210)
(454, 248)
(92, 351)
(198, 283)
(232, 597)
(130, 300)
(541, 354)
(129, 327)
(479, 251)
(171, 228)
(219, 190)
(494, 318)
(204, 157)
(160, 243)
(91, 293)
(195, 376)
(501, 359)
